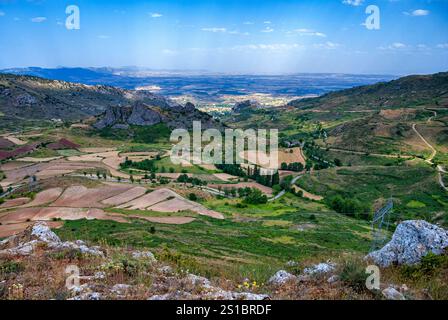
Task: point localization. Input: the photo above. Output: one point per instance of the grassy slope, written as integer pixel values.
(408, 185)
(253, 242)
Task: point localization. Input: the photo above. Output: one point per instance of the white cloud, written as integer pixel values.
(268, 47)
(239, 33)
(2, 13)
(309, 32)
(38, 19)
(267, 30)
(442, 46)
(248, 22)
(156, 15)
(103, 36)
(170, 52)
(214, 29)
(417, 13)
(398, 45)
(267, 22)
(327, 45)
(355, 3)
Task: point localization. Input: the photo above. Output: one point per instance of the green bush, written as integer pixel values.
(353, 274)
(8, 267)
(193, 197)
(255, 196)
(430, 265)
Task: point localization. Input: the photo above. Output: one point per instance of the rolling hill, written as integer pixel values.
(26, 100)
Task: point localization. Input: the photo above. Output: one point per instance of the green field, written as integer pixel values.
(407, 185)
(253, 242)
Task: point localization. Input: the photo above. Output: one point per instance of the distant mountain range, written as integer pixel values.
(204, 86)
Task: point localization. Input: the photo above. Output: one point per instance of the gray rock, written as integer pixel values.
(411, 241)
(333, 279)
(281, 277)
(24, 243)
(120, 289)
(166, 270)
(144, 255)
(392, 294)
(41, 231)
(320, 268)
(198, 281)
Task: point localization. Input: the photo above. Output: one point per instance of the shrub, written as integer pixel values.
(429, 265)
(255, 196)
(353, 274)
(9, 267)
(193, 197)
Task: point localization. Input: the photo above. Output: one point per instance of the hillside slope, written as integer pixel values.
(411, 91)
(27, 99)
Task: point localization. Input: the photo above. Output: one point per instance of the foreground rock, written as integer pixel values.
(39, 234)
(411, 241)
(319, 269)
(392, 294)
(281, 277)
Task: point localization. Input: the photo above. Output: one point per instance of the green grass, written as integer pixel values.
(406, 184)
(69, 152)
(235, 248)
(167, 164)
(43, 153)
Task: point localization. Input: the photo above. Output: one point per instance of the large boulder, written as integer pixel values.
(24, 243)
(411, 241)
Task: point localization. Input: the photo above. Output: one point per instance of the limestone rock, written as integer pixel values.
(392, 294)
(411, 241)
(281, 277)
(320, 268)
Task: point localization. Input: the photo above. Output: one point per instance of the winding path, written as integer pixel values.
(430, 161)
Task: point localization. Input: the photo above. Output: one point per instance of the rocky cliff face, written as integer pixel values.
(158, 111)
(246, 106)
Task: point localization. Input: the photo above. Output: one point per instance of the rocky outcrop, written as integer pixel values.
(281, 277)
(411, 241)
(155, 111)
(320, 268)
(25, 243)
(245, 106)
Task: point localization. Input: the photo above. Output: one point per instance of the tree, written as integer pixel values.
(255, 196)
(193, 197)
(338, 162)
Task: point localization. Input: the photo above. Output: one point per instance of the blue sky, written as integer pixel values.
(232, 36)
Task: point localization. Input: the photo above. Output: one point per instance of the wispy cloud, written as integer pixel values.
(248, 22)
(215, 29)
(239, 33)
(442, 46)
(103, 36)
(155, 15)
(38, 19)
(2, 13)
(267, 30)
(394, 46)
(354, 3)
(327, 45)
(308, 32)
(417, 13)
(268, 47)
